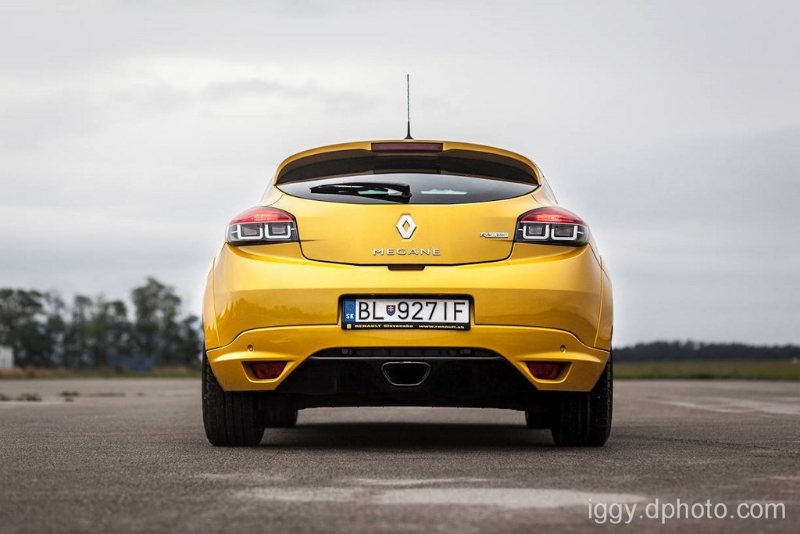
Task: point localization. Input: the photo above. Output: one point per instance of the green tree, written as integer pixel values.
(159, 329)
(109, 331)
(78, 340)
(55, 327)
(23, 326)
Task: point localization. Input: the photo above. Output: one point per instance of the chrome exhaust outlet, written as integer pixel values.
(406, 374)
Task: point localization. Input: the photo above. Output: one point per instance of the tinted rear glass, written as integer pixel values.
(424, 188)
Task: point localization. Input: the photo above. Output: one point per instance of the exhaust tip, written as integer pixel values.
(406, 374)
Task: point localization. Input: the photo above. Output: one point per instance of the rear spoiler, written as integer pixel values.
(382, 157)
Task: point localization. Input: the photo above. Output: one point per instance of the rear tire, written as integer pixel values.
(230, 419)
(584, 419)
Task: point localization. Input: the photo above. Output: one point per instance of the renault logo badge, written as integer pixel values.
(406, 226)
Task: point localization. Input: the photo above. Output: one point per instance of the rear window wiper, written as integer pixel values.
(392, 192)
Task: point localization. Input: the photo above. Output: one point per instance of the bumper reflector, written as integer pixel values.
(545, 371)
(268, 370)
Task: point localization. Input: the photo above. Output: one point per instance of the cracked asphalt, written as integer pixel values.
(130, 455)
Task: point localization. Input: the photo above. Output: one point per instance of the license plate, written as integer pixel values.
(406, 313)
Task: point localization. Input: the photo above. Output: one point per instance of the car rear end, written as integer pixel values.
(407, 273)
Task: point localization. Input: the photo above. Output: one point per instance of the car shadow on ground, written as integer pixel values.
(406, 436)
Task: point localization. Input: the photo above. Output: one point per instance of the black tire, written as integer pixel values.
(279, 417)
(584, 419)
(230, 419)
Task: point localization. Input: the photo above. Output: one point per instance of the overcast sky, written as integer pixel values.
(132, 131)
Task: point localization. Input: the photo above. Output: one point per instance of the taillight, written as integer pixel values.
(261, 225)
(552, 226)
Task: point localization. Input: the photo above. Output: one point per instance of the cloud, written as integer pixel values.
(251, 86)
(26, 123)
(331, 101)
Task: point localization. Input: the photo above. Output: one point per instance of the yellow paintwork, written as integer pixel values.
(254, 290)
(606, 324)
(282, 301)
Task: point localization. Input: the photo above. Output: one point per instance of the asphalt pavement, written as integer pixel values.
(130, 455)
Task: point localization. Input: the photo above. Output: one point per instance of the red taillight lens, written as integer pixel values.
(552, 226)
(545, 371)
(402, 146)
(268, 370)
(551, 215)
(261, 225)
(260, 214)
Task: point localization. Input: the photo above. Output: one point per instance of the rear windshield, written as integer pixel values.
(406, 188)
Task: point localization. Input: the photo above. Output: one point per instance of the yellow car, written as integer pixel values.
(407, 273)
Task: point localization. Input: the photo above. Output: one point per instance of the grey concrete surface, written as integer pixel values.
(131, 456)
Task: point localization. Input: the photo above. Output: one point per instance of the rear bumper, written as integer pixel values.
(296, 344)
(543, 303)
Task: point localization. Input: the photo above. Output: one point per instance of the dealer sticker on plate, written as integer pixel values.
(406, 313)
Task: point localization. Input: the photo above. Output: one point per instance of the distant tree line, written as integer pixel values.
(691, 350)
(46, 331)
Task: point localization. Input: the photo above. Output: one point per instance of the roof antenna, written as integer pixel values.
(408, 106)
